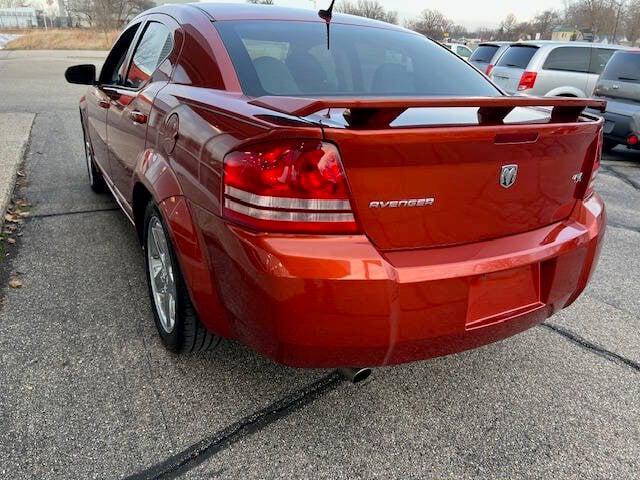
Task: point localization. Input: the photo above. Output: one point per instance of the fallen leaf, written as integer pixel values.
(15, 283)
(11, 241)
(9, 217)
(23, 214)
(20, 173)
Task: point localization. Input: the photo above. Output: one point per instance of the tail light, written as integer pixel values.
(527, 81)
(596, 166)
(632, 140)
(489, 70)
(291, 186)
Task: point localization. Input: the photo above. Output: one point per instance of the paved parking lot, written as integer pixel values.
(87, 391)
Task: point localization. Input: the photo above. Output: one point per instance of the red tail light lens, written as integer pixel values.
(527, 81)
(632, 140)
(489, 69)
(288, 186)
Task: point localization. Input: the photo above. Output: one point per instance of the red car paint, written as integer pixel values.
(480, 264)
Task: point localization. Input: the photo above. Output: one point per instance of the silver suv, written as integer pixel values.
(552, 69)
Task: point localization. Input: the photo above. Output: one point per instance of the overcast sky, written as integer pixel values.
(471, 14)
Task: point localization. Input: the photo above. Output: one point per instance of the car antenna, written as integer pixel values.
(326, 15)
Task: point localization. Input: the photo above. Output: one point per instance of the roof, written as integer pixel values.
(553, 43)
(497, 44)
(248, 11)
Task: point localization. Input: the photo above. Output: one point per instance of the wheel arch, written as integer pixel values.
(566, 92)
(154, 180)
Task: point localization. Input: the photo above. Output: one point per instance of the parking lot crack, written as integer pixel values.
(620, 176)
(196, 454)
(76, 212)
(158, 399)
(592, 347)
(623, 227)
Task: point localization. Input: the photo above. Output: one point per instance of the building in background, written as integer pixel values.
(19, 17)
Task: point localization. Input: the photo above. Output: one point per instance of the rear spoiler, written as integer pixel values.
(381, 112)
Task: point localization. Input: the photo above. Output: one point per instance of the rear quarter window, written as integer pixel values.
(599, 59)
(623, 66)
(292, 58)
(568, 59)
(518, 56)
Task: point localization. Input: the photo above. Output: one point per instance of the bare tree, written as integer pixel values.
(545, 22)
(601, 17)
(432, 24)
(11, 3)
(632, 22)
(458, 31)
(508, 29)
(106, 14)
(368, 8)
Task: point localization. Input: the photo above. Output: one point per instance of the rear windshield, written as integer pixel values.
(292, 58)
(623, 66)
(517, 56)
(484, 53)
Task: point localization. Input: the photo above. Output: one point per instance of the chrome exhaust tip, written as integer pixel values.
(356, 375)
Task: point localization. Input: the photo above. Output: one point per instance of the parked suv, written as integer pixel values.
(560, 69)
(485, 57)
(619, 84)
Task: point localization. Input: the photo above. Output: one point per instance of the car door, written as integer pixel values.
(98, 102)
(149, 69)
(565, 71)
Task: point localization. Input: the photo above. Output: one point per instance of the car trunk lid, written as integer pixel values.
(426, 186)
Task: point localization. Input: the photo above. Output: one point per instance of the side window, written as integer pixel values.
(569, 59)
(153, 48)
(599, 59)
(113, 70)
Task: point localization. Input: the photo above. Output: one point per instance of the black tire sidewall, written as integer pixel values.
(96, 182)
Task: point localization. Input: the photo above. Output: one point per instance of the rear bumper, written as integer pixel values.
(337, 301)
(618, 126)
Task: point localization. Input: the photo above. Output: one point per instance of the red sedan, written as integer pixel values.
(334, 191)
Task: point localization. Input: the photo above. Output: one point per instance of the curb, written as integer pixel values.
(15, 129)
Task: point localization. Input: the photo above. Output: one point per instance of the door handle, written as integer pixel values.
(138, 117)
(104, 103)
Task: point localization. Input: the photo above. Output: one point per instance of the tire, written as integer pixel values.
(96, 180)
(185, 334)
(609, 145)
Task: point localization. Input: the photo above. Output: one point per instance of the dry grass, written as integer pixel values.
(69, 39)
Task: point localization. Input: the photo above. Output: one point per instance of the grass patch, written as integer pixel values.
(63, 39)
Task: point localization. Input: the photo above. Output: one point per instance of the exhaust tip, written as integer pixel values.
(356, 375)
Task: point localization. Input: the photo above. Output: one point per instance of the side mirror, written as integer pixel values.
(81, 74)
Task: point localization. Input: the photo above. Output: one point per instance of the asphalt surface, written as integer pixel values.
(87, 391)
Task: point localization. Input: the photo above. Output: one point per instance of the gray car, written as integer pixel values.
(485, 57)
(619, 84)
(545, 68)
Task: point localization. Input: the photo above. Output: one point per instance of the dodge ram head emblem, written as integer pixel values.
(508, 175)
